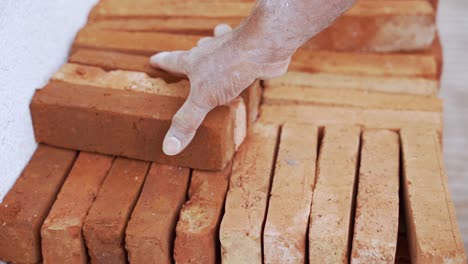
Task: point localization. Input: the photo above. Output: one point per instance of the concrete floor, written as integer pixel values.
(453, 27)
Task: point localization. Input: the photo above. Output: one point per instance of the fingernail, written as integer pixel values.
(171, 146)
(157, 58)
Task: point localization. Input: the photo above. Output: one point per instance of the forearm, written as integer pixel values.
(278, 27)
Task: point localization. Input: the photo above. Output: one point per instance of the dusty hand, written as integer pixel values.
(219, 69)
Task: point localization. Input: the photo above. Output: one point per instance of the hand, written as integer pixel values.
(219, 69)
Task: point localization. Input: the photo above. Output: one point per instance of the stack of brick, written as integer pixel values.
(316, 179)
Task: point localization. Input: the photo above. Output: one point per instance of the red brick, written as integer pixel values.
(27, 204)
(107, 219)
(433, 232)
(333, 199)
(151, 229)
(246, 200)
(62, 238)
(285, 234)
(132, 124)
(197, 229)
(377, 202)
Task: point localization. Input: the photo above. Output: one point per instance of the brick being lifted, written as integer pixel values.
(129, 117)
(27, 204)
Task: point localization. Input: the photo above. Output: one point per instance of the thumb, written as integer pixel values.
(184, 126)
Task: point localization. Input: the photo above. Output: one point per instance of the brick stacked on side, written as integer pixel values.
(377, 202)
(62, 233)
(27, 204)
(333, 199)
(431, 223)
(198, 226)
(104, 226)
(150, 231)
(246, 201)
(285, 232)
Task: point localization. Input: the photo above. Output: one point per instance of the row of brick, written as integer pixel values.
(276, 202)
(389, 25)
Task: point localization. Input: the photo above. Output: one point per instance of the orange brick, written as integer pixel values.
(132, 124)
(285, 234)
(26, 205)
(333, 199)
(197, 229)
(287, 95)
(62, 238)
(377, 202)
(384, 84)
(433, 232)
(246, 200)
(107, 219)
(111, 60)
(151, 229)
(142, 43)
(368, 118)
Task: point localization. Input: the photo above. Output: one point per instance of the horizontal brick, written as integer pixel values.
(62, 238)
(246, 201)
(107, 219)
(111, 60)
(369, 83)
(151, 229)
(132, 124)
(198, 226)
(120, 78)
(333, 199)
(377, 202)
(368, 118)
(433, 232)
(285, 234)
(391, 25)
(26, 205)
(287, 95)
(416, 64)
(142, 43)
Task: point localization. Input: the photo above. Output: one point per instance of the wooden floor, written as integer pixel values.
(453, 26)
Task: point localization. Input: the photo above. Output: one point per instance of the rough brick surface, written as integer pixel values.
(132, 124)
(27, 204)
(433, 232)
(62, 238)
(197, 229)
(142, 43)
(107, 219)
(369, 83)
(333, 199)
(111, 60)
(377, 202)
(416, 64)
(150, 231)
(285, 233)
(246, 201)
(369, 118)
(287, 95)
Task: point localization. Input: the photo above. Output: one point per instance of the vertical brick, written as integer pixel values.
(333, 199)
(107, 219)
(246, 200)
(62, 238)
(377, 202)
(27, 204)
(150, 232)
(285, 234)
(198, 226)
(433, 232)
